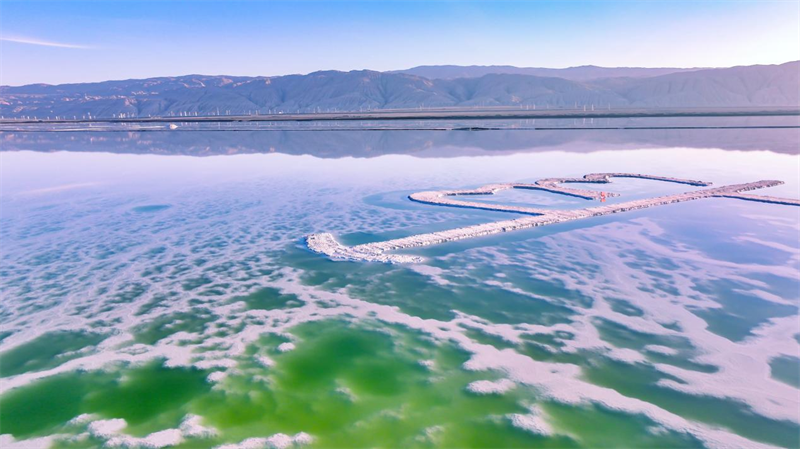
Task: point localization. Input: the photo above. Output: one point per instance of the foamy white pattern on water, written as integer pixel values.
(490, 386)
(112, 432)
(239, 238)
(532, 422)
(286, 347)
(277, 441)
(8, 442)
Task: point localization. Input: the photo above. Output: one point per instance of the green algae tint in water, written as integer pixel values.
(348, 385)
(351, 386)
(283, 340)
(48, 351)
(366, 386)
(149, 398)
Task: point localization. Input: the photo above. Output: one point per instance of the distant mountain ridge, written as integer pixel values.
(746, 86)
(579, 73)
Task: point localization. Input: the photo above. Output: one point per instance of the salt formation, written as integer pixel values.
(111, 432)
(490, 387)
(286, 347)
(532, 422)
(192, 427)
(277, 441)
(325, 243)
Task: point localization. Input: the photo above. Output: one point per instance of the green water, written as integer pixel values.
(268, 299)
(178, 287)
(48, 351)
(194, 320)
(740, 313)
(640, 381)
(786, 369)
(149, 398)
(348, 385)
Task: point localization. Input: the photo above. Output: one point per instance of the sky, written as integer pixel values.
(81, 41)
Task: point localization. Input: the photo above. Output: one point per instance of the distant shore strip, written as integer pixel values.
(500, 113)
(4, 128)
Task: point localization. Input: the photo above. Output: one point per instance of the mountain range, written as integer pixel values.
(419, 87)
(580, 73)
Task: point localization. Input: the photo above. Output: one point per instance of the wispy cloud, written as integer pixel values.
(42, 43)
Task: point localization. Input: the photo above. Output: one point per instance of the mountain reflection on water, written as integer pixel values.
(423, 139)
(146, 295)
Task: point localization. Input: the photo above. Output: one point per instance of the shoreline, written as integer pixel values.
(443, 114)
(473, 129)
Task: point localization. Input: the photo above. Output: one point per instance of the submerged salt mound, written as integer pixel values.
(151, 208)
(429, 364)
(265, 361)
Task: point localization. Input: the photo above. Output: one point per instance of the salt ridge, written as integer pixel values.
(325, 243)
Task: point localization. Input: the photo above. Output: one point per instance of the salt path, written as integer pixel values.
(325, 243)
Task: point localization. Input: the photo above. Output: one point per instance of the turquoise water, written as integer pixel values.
(170, 301)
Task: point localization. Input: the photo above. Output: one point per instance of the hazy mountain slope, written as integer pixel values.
(774, 85)
(580, 73)
(319, 91)
(748, 85)
(509, 90)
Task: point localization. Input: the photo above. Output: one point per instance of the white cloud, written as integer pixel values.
(40, 42)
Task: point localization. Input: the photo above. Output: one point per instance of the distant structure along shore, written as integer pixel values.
(443, 113)
(325, 243)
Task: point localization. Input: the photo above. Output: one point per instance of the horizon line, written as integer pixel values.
(394, 71)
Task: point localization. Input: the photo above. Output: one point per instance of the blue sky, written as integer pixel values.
(66, 41)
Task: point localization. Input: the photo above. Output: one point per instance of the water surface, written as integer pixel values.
(154, 297)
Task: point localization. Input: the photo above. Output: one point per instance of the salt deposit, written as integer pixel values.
(557, 382)
(325, 243)
(490, 387)
(277, 441)
(286, 347)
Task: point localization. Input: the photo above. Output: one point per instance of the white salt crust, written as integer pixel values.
(325, 243)
(112, 432)
(277, 441)
(744, 368)
(531, 423)
(658, 349)
(286, 347)
(557, 381)
(265, 361)
(8, 442)
(490, 386)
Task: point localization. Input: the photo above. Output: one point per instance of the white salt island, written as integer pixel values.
(325, 243)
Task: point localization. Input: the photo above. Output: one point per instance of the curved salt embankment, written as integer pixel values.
(325, 243)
